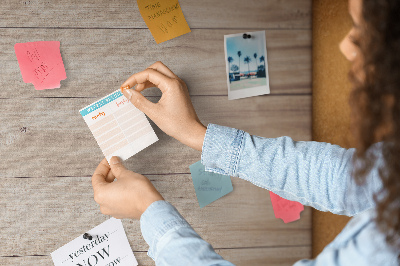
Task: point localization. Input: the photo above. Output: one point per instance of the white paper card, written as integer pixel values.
(118, 126)
(246, 64)
(108, 247)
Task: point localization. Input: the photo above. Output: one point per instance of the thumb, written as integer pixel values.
(117, 167)
(139, 101)
(100, 174)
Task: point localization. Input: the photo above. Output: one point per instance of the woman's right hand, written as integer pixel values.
(173, 113)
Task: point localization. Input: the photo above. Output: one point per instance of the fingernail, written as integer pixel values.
(125, 88)
(115, 160)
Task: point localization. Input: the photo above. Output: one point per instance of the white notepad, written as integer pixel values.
(118, 126)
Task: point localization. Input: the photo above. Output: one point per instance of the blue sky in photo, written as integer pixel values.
(248, 47)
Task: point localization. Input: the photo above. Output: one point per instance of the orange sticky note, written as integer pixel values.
(41, 63)
(164, 18)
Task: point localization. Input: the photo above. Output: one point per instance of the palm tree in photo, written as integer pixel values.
(247, 60)
(230, 60)
(255, 59)
(262, 59)
(239, 54)
(234, 68)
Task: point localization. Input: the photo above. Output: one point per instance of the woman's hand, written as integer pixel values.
(127, 197)
(174, 113)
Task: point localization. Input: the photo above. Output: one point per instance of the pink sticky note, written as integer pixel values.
(284, 209)
(41, 64)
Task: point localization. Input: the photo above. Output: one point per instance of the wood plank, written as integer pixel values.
(276, 256)
(125, 14)
(98, 61)
(40, 215)
(57, 141)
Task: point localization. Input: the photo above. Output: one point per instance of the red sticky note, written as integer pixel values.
(284, 209)
(41, 64)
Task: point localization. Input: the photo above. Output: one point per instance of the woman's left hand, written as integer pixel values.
(127, 197)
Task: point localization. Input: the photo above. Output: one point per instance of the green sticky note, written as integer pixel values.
(209, 186)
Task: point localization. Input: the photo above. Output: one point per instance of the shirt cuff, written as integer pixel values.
(222, 148)
(157, 220)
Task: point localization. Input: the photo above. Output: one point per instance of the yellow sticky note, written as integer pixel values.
(164, 18)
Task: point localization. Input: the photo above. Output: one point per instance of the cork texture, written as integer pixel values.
(331, 90)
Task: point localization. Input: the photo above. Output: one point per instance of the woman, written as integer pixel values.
(316, 174)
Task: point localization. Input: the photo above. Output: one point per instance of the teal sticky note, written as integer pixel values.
(209, 186)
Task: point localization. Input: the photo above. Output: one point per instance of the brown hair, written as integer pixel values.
(376, 108)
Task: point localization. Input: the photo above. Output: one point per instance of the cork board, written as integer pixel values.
(331, 89)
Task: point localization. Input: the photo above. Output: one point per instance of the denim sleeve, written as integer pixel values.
(360, 243)
(313, 173)
(172, 241)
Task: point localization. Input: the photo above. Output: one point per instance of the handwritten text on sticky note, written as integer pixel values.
(284, 209)
(164, 18)
(41, 64)
(209, 186)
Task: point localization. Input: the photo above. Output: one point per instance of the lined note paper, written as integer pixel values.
(41, 64)
(118, 126)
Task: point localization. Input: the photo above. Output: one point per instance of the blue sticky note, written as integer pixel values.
(209, 186)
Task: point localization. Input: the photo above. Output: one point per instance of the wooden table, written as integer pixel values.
(48, 153)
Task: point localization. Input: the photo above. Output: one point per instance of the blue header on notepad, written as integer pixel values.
(101, 103)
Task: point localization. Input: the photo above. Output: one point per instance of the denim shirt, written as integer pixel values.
(312, 173)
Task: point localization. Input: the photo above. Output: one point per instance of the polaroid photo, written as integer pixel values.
(246, 64)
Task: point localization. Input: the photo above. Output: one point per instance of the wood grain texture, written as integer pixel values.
(100, 60)
(125, 14)
(57, 141)
(277, 256)
(44, 138)
(40, 215)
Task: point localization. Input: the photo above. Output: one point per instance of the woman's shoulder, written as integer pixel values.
(364, 239)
